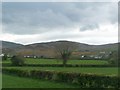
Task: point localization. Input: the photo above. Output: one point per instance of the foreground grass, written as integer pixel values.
(91, 70)
(20, 82)
(0, 80)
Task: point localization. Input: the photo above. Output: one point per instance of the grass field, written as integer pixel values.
(92, 70)
(20, 82)
(0, 80)
(54, 61)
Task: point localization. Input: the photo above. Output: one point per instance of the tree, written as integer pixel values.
(113, 59)
(17, 60)
(64, 50)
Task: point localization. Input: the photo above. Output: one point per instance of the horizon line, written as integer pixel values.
(56, 41)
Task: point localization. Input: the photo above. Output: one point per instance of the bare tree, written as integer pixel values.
(64, 50)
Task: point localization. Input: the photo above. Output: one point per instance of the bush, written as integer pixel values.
(4, 57)
(17, 61)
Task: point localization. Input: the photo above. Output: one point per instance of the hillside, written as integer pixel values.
(81, 46)
(6, 44)
(47, 48)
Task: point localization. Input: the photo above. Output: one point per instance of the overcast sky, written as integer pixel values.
(84, 22)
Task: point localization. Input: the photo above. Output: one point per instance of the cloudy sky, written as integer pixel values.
(84, 22)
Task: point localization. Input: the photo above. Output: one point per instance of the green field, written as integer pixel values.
(54, 61)
(0, 80)
(92, 70)
(20, 82)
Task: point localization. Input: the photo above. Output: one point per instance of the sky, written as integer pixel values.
(85, 22)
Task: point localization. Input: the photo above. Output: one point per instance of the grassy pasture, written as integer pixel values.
(54, 61)
(10, 81)
(92, 70)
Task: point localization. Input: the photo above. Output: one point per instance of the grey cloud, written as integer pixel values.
(0, 13)
(34, 18)
(89, 27)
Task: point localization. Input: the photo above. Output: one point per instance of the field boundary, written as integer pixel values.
(68, 65)
(61, 65)
(84, 80)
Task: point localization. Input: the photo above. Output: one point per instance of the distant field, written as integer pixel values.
(93, 70)
(9, 81)
(101, 71)
(54, 61)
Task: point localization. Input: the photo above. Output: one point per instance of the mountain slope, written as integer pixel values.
(6, 44)
(47, 48)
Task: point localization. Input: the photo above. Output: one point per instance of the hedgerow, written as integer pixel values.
(68, 65)
(84, 80)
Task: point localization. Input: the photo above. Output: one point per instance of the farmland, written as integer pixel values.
(93, 70)
(54, 61)
(104, 71)
(58, 61)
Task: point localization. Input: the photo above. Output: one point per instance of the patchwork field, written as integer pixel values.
(93, 70)
(10, 80)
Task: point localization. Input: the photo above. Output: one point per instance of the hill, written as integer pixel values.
(6, 44)
(46, 49)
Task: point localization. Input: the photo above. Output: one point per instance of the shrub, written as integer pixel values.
(4, 57)
(17, 61)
